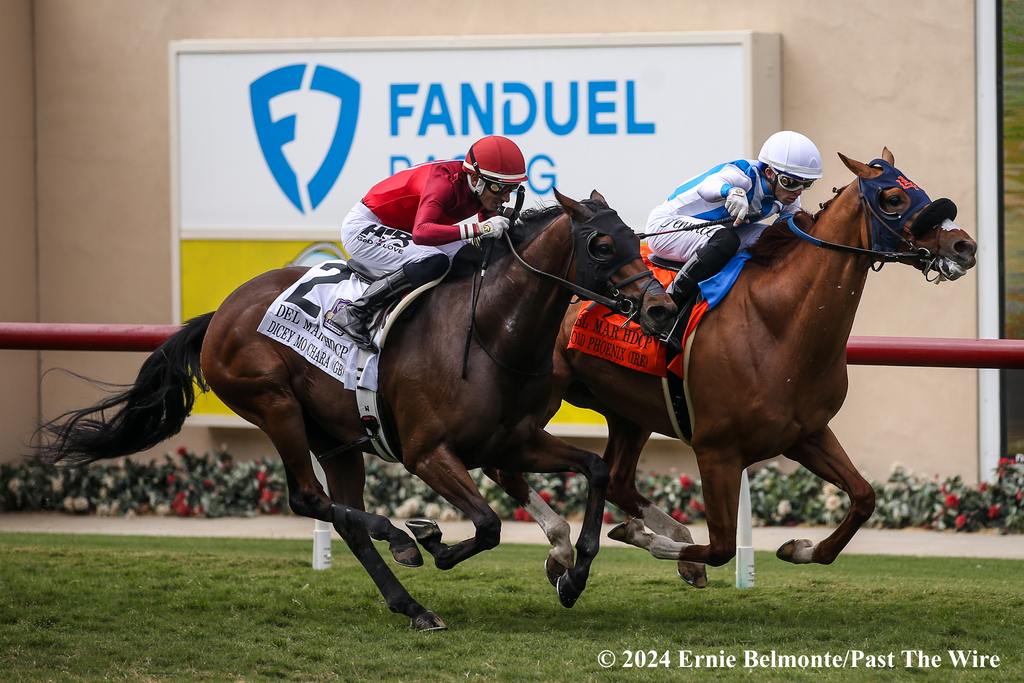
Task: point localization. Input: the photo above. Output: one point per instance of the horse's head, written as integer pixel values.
(903, 219)
(607, 261)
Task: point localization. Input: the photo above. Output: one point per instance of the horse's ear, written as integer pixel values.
(888, 157)
(860, 169)
(598, 197)
(577, 211)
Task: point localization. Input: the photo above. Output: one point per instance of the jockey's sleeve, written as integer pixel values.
(716, 185)
(432, 226)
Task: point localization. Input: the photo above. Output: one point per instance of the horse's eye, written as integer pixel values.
(895, 200)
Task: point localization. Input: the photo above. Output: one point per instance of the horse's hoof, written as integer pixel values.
(425, 530)
(693, 573)
(407, 556)
(428, 621)
(618, 532)
(554, 569)
(568, 594)
(797, 551)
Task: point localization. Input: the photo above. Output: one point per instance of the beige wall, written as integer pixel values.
(19, 399)
(855, 77)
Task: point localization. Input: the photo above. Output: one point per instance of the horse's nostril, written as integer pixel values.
(965, 248)
(658, 312)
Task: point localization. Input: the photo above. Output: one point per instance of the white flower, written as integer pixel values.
(14, 485)
(450, 515)
(381, 510)
(108, 482)
(163, 509)
(104, 492)
(432, 511)
(57, 484)
(830, 490)
(103, 509)
(81, 504)
(832, 503)
(129, 514)
(409, 508)
(784, 508)
(69, 504)
(115, 507)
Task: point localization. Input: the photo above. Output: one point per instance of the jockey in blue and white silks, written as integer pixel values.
(787, 164)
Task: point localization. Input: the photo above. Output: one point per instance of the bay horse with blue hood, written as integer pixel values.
(765, 371)
(448, 407)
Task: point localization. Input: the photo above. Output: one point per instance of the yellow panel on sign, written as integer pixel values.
(212, 269)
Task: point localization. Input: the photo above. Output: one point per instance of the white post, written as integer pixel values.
(321, 530)
(744, 538)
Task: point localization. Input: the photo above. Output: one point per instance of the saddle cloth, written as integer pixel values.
(296, 318)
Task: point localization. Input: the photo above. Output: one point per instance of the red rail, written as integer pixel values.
(917, 351)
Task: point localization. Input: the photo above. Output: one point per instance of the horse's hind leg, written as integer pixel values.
(277, 412)
(346, 479)
(560, 557)
(625, 441)
(823, 455)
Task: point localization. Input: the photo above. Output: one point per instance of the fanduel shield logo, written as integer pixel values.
(275, 134)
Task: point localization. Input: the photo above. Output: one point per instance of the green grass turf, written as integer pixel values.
(90, 607)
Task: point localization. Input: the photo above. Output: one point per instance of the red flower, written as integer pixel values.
(1020, 494)
(993, 511)
(685, 482)
(521, 515)
(182, 450)
(608, 518)
(545, 495)
(207, 484)
(261, 477)
(266, 496)
(1005, 461)
(696, 505)
(952, 501)
(180, 498)
(983, 486)
(961, 521)
(199, 511)
(171, 479)
(680, 516)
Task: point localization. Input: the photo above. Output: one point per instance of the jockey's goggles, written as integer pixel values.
(500, 188)
(792, 183)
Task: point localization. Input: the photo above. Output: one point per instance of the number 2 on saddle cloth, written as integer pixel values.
(601, 333)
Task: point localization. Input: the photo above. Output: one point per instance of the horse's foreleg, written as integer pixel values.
(545, 453)
(720, 473)
(625, 441)
(560, 557)
(442, 471)
(823, 455)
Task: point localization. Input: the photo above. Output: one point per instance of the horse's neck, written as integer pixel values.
(519, 319)
(814, 293)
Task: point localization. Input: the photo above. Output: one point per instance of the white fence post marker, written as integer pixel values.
(321, 530)
(744, 538)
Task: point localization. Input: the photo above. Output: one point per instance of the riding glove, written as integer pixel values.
(494, 227)
(736, 204)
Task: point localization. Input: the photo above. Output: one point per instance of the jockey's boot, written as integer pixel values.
(354, 320)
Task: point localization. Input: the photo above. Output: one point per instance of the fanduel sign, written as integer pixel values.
(287, 140)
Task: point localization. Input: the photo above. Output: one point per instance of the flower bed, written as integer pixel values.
(216, 485)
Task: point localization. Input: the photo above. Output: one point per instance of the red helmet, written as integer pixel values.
(496, 159)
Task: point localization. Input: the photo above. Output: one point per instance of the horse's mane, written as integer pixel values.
(777, 240)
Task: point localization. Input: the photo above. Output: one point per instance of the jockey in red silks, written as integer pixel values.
(405, 228)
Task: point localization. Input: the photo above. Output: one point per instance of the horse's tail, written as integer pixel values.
(151, 410)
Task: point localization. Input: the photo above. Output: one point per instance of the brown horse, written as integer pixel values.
(766, 370)
(444, 422)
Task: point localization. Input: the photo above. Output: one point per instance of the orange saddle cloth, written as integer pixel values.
(601, 333)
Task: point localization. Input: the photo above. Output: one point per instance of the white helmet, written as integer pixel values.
(791, 153)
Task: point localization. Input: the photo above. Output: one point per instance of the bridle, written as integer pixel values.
(886, 229)
(593, 269)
